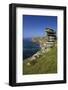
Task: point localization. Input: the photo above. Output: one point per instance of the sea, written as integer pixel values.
(29, 48)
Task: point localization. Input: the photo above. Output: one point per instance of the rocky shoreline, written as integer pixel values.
(47, 42)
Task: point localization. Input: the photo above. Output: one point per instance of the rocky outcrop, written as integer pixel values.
(45, 44)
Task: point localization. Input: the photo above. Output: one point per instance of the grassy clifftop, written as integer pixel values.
(47, 63)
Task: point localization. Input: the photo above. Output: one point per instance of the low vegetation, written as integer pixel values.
(46, 63)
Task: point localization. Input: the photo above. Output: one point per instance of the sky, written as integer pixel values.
(34, 26)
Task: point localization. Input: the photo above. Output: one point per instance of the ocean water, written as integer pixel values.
(29, 48)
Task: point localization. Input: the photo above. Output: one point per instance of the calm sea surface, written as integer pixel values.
(29, 48)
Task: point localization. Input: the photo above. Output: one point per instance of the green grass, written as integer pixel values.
(47, 63)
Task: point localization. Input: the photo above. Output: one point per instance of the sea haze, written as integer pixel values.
(29, 48)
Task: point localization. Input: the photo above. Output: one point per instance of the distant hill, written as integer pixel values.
(40, 40)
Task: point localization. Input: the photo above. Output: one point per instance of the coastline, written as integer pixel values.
(41, 41)
(30, 48)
